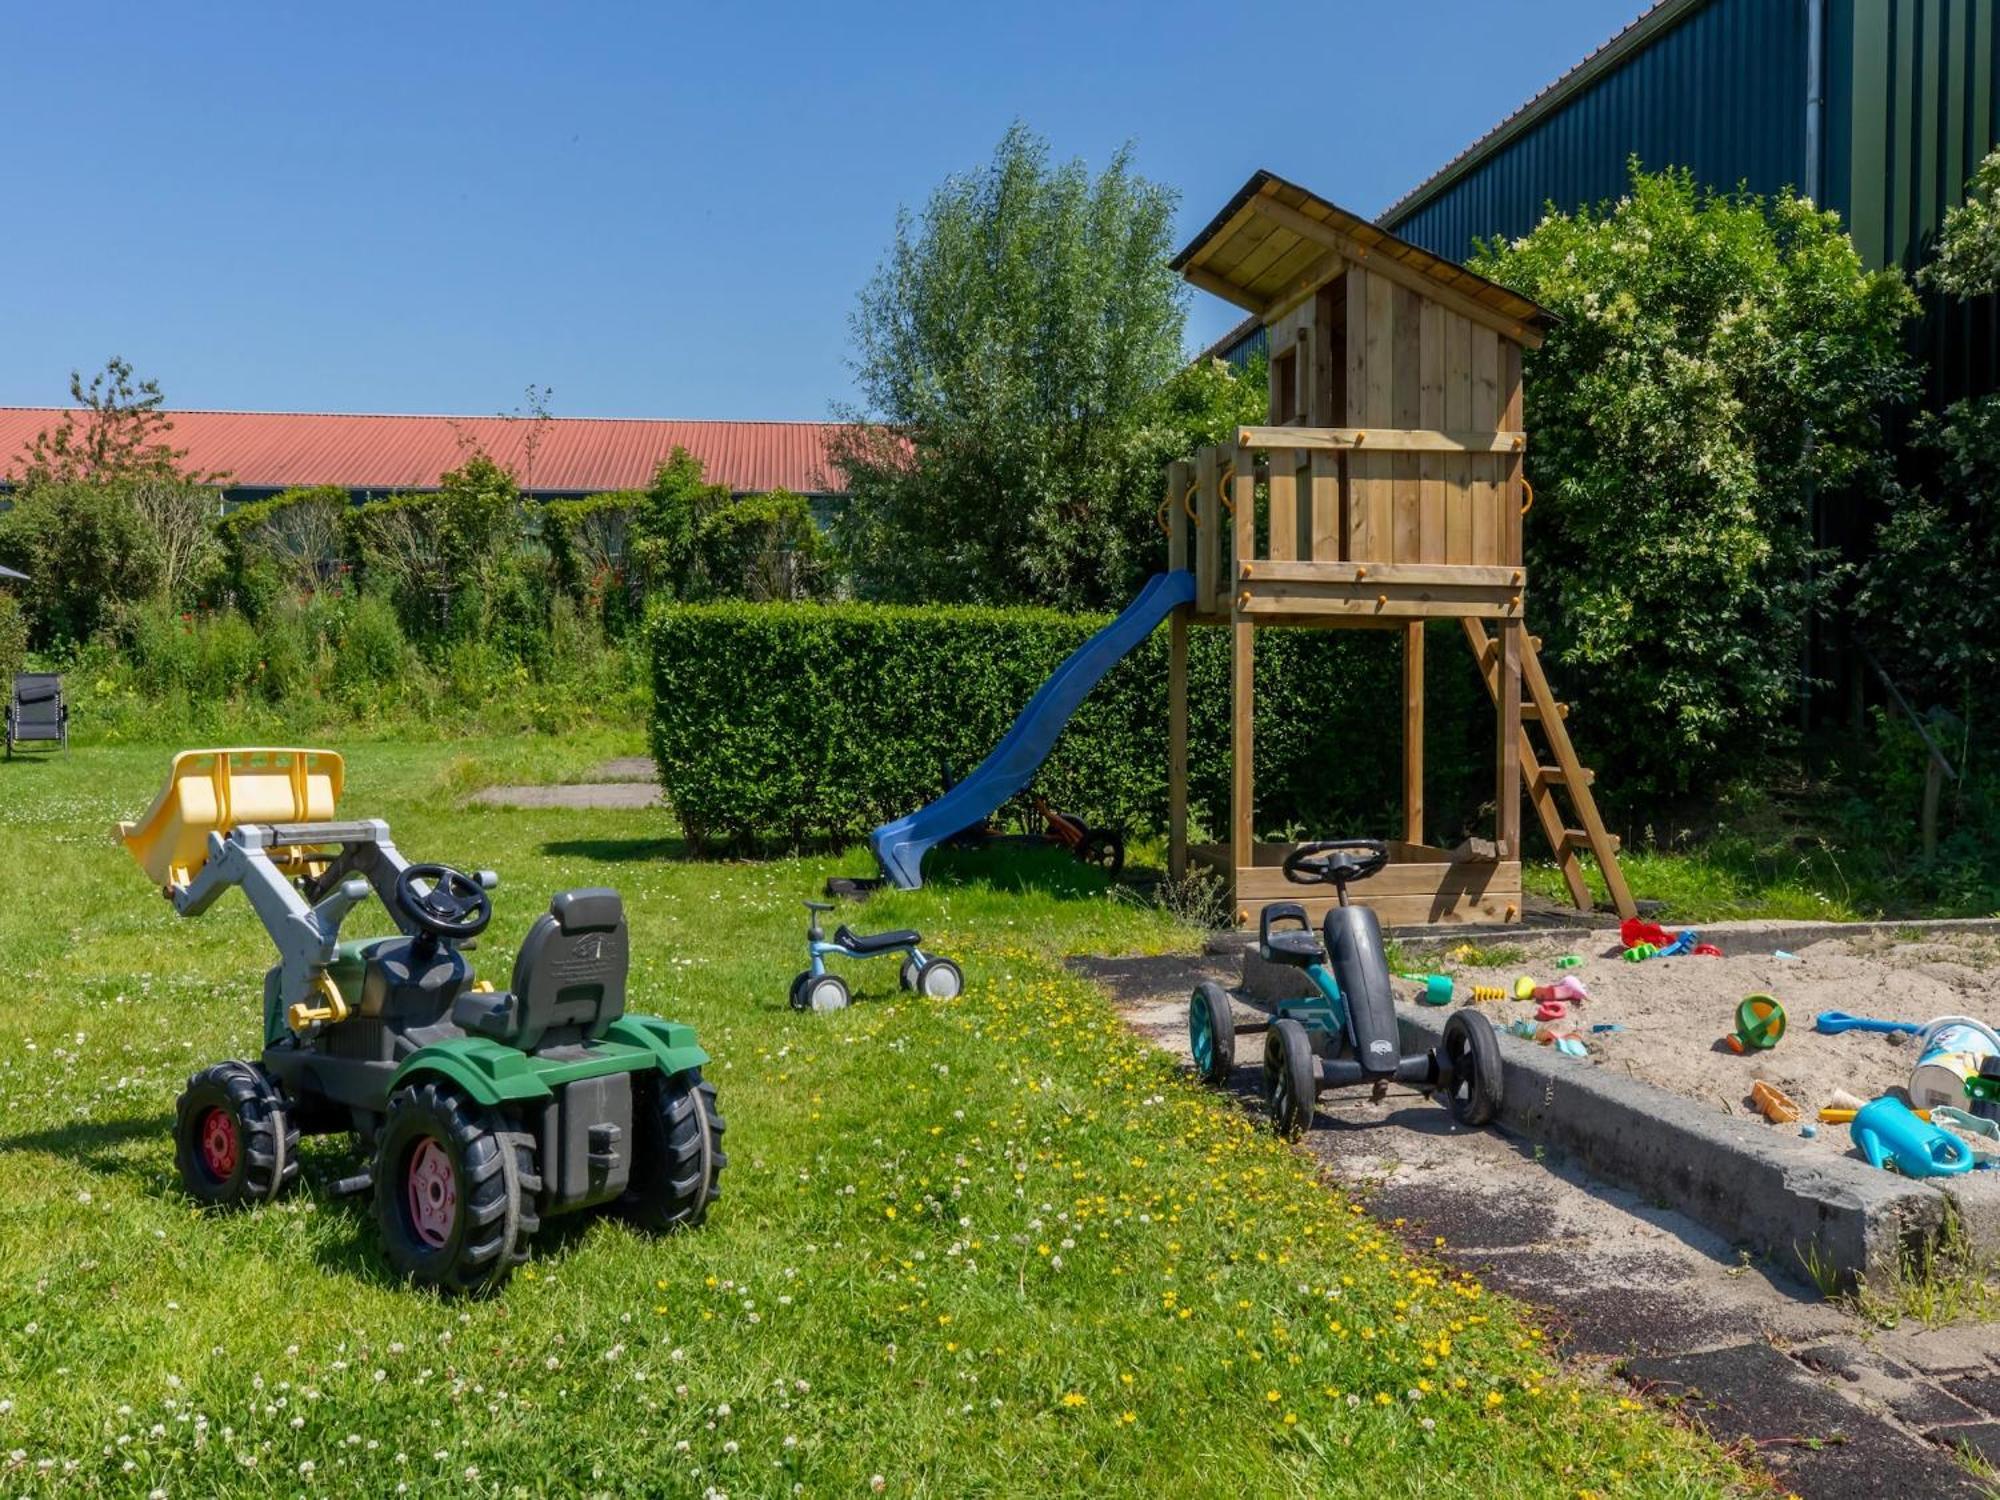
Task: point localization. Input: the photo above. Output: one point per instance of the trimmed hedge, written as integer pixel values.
(796, 724)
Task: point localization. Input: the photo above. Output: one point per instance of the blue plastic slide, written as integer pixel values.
(900, 846)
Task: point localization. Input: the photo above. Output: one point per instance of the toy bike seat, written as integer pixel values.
(876, 942)
(1298, 946)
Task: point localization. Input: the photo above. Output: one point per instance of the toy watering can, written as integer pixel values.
(1886, 1130)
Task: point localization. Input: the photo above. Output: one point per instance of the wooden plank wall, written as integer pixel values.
(1412, 363)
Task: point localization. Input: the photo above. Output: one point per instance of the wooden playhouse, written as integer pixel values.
(1387, 493)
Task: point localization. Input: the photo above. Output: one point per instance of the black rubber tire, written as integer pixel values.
(1469, 1060)
(1104, 848)
(940, 979)
(1213, 1001)
(496, 1213)
(906, 974)
(828, 992)
(798, 996)
(266, 1136)
(1291, 1077)
(677, 1170)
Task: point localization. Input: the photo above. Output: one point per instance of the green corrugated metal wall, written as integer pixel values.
(1911, 109)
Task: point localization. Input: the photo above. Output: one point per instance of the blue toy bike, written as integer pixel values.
(1345, 1034)
(925, 973)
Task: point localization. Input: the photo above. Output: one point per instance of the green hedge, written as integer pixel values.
(792, 724)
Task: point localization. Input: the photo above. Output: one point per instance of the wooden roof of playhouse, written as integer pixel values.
(1274, 243)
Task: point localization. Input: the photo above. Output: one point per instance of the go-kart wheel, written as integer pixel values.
(454, 1190)
(234, 1140)
(676, 1173)
(1291, 1076)
(798, 995)
(1469, 1061)
(940, 979)
(1211, 1032)
(828, 992)
(906, 973)
(1104, 848)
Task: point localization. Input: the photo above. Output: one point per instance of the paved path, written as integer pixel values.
(1833, 1407)
(626, 782)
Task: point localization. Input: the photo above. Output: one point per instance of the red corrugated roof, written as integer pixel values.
(277, 450)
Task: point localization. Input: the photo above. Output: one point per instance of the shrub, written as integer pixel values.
(13, 636)
(288, 544)
(87, 551)
(371, 650)
(807, 723)
(1719, 361)
(588, 542)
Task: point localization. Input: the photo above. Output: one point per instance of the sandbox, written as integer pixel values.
(1673, 1013)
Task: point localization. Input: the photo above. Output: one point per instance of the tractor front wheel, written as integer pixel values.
(676, 1174)
(1291, 1076)
(234, 1141)
(454, 1190)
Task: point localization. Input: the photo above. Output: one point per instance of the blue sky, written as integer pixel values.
(655, 210)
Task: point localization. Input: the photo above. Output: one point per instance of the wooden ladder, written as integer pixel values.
(1539, 706)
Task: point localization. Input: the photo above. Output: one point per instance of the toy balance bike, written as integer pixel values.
(817, 989)
(484, 1112)
(1345, 1034)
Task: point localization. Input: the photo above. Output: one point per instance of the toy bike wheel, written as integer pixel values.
(1291, 1076)
(940, 979)
(1470, 1063)
(798, 995)
(454, 1191)
(1104, 848)
(680, 1160)
(234, 1141)
(1211, 1032)
(828, 992)
(906, 975)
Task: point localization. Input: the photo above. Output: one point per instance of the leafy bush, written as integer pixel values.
(13, 636)
(435, 554)
(1720, 359)
(692, 540)
(289, 544)
(795, 724)
(1017, 353)
(87, 551)
(588, 544)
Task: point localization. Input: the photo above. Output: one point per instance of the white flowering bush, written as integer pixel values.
(1720, 360)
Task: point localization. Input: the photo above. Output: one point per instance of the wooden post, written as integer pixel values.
(1242, 782)
(1413, 732)
(1179, 475)
(1933, 789)
(1507, 795)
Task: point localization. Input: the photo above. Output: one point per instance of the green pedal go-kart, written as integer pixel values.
(484, 1111)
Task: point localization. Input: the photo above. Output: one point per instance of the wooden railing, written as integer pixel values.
(1412, 508)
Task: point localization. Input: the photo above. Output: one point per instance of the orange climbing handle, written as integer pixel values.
(1529, 503)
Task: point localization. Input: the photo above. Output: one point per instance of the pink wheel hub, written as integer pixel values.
(433, 1192)
(217, 1134)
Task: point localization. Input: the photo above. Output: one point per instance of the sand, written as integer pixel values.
(1674, 1013)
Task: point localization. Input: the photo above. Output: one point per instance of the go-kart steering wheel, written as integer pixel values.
(1328, 862)
(456, 906)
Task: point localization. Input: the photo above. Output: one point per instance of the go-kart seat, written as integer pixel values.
(569, 977)
(1298, 946)
(874, 942)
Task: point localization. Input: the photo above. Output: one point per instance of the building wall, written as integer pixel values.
(1722, 91)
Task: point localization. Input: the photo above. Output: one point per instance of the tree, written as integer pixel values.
(438, 554)
(690, 539)
(1968, 254)
(182, 518)
(1720, 359)
(119, 434)
(86, 551)
(1011, 351)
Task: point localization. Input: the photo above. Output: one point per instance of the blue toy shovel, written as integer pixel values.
(1834, 1021)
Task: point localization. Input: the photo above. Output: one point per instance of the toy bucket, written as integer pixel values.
(1954, 1047)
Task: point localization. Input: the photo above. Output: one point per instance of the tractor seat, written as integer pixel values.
(569, 977)
(1299, 949)
(877, 942)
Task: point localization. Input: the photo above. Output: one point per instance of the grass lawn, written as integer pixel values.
(987, 1247)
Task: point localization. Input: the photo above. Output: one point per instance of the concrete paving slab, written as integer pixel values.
(612, 794)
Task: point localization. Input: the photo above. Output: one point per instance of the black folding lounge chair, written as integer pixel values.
(37, 711)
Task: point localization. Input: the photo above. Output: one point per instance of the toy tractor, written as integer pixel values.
(483, 1111)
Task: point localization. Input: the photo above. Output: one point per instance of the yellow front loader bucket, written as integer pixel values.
(211, 791)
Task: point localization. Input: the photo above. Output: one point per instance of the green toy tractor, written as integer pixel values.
(484, 1111)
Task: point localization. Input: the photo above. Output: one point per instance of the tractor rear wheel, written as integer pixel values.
(1470, 1059)
(676, 1172)
(1291, 1076)
(455, 1190)
(1105, 848)
(234, 1140)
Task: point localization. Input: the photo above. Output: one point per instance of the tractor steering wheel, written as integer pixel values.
(455, 906)
(1329, 861)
